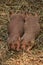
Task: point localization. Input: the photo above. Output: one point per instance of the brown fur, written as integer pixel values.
(31, 29)
(15, 29)
(17, 26)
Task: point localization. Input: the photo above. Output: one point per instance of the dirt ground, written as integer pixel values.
(35, 55)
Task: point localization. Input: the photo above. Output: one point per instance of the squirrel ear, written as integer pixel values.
(11, 13)
(36, 15)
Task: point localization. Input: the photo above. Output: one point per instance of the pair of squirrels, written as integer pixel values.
(23, 29)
